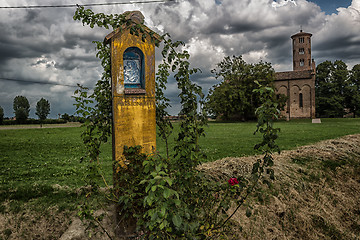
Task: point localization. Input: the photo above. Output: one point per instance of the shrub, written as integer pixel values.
(1, 115)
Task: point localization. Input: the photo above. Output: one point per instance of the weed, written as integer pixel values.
(355, 227)
(357, 211)
(291, 216)
(326, 228)
(302, 160)
(15, 206)
(329, 179)
(314, 177)
(357, 171)
(300, 170)
(333, 164)
(2, 208)
(7, 232)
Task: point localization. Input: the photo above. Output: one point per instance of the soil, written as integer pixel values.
(315, 195)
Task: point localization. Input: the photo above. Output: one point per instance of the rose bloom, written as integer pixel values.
(233, 181)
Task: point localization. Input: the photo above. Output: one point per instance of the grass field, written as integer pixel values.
(32, 161)
(237, 139)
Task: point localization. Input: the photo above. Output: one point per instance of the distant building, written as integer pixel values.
(299, 85)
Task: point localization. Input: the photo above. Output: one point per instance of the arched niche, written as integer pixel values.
(133, 60)
(294, 94)
(282, 90)
(306, 91)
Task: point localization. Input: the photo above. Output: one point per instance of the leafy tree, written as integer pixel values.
(42, 109)
(331, 87)
(21, 108)
(1, 115)
(66, 117)
(234, 98)
(352, 96)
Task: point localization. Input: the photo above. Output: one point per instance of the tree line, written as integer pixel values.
(337, 89)
(21, 108)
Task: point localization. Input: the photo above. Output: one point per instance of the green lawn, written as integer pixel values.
(33, 160)
(237, 139)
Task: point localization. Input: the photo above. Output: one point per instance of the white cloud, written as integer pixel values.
(255, 56)
(281, 3)
(47, 45)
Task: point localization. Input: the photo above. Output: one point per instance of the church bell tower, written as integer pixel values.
(301, 43)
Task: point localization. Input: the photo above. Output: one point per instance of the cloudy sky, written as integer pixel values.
(47, 45)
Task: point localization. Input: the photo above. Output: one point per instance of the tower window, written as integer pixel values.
(301, 103)
(309, 50)
(301, 62)
(301, 51)
(301, 40)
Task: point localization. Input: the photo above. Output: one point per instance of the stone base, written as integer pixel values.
(316, 120)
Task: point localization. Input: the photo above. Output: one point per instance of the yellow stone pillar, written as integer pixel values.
(133, 87)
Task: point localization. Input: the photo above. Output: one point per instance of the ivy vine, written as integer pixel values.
(167, 195)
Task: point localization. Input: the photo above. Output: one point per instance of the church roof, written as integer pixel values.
(301, 33)
(293, 75)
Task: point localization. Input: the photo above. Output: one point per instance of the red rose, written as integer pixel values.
(233, 181)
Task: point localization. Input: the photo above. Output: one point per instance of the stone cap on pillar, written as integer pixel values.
(134, 18)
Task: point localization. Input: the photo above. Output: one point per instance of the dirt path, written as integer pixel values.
(70, 124)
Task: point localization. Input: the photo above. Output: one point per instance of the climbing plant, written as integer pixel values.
(167, 195)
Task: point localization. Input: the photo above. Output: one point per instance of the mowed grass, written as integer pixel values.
(238, 139)
(33, 161)
(36, 163)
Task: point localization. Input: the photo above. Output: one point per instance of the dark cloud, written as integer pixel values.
(48, 45)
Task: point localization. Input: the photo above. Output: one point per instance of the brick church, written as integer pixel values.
(299, 85)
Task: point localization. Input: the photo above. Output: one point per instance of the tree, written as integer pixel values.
(234, 98)
(352, 97)
(1, 115)
(66, 117)
(21, 108)
(42, 109)
(331, 88)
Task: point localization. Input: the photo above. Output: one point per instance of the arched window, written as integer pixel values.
(133, 60)
(301, 103)
(301, 62)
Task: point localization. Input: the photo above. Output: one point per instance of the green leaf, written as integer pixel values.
(162, 226)
(158, 177)
(177, 220)
(169, 181)
(255, 168)
(167, 193)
